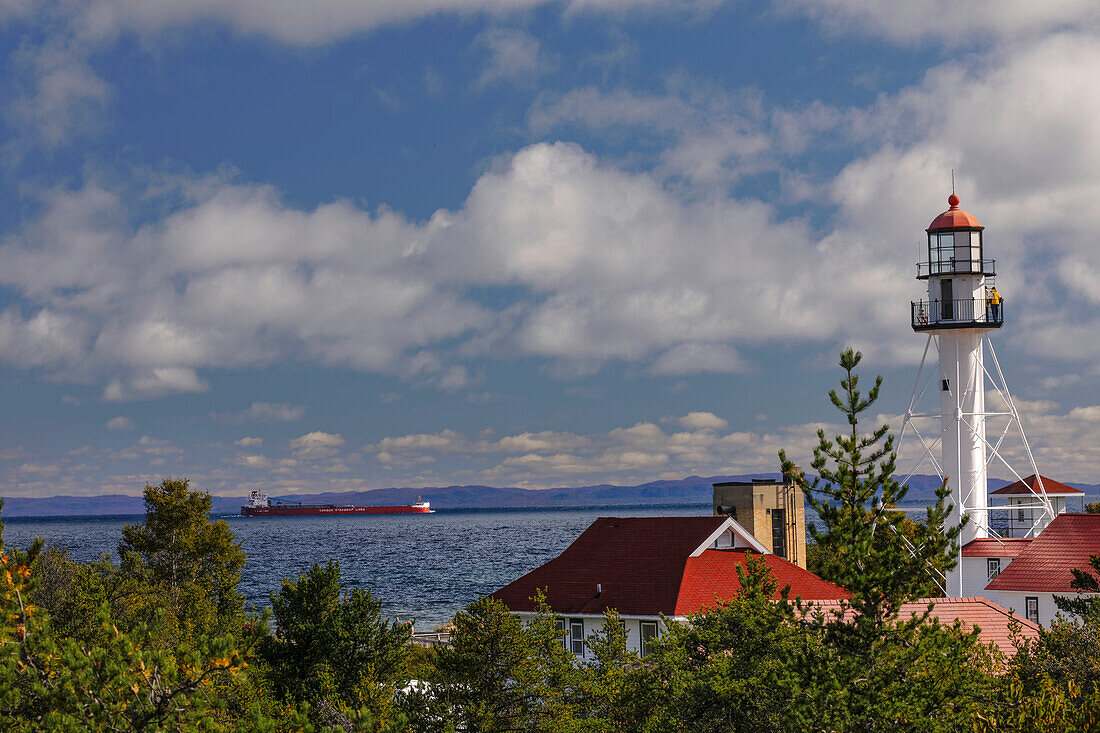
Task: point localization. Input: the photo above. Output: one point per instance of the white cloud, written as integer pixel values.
(157, 447)
(623, 455)
(710, 135)
(247, 442)
(61, 96)
(253, 461)
(514, 56)
(58, 96)
(951, 22)
(120, 423)
(323, 21)
(39, 469)
(317, 444)
(446, 440)
(622, 269)
(145, 384)
(698, 358)
(262, 412)
(46, 339)
(699, 421)
(618, 265)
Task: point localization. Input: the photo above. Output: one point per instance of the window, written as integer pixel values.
(954, 252)
(576, 636)
(992, 567)
(559, 626)
(1020, 513)
(1032, 604)
(779, 532)
(947, 300)
(648, 633)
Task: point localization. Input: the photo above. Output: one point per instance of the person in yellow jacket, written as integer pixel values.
(994, 299)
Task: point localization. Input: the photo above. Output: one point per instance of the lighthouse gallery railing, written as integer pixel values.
(962, 313)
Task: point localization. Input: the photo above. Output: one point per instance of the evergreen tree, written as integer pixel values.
(726, 669)
(1068, 650)
(600, 691)
(124, 683)
(867, 545)
(191, 564)
(499, 674)
(873, 669)
(333, 649)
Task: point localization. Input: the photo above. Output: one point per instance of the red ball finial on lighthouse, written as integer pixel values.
(954, 218)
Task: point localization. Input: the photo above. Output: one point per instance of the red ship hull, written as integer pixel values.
(297, 511)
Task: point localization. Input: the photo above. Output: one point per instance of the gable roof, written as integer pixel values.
(647, 566)
(996, 547)
(1044, 565)
(712, 576)
(992, 619)
(1030, 486)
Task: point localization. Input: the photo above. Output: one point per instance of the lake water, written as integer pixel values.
(423, 567)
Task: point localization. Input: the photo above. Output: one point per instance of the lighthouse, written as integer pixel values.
(960, 310)
(957, 313)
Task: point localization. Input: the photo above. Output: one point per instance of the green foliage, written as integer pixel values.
(1085, 581)
(191, 565)
(602, 688)
(873, 669)
(126, 683)
(724, 670)
(333, 649)
(1044, 707)
(1067, 652)
(1092, 508)
(866, 545)
(499, 674)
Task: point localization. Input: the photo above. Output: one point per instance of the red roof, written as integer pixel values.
(713, 574)
(992, 619)
(1044, 565)
(954, 217)
(1030, 486)
(644, 568)
(992, 547)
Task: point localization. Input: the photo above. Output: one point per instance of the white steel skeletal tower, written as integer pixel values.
(958, 316)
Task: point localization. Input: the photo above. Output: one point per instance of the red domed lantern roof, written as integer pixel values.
(954, 218)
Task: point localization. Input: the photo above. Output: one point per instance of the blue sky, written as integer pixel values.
(329, 245)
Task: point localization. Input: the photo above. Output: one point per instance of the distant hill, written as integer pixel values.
(690, 490)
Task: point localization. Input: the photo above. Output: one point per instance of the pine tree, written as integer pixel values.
(875, 669)
(125, 682)
(869, 548)
(192, 564)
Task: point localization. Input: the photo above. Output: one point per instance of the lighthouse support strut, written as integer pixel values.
(999, 386)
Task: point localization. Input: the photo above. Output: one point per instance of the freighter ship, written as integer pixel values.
(259, 505)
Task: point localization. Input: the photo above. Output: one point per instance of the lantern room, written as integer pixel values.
(956, 270)
(955, 245)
